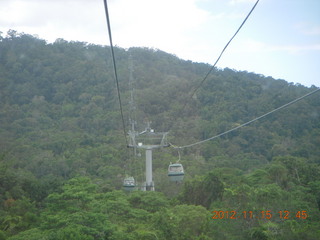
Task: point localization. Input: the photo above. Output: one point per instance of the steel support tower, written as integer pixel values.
(148, 140)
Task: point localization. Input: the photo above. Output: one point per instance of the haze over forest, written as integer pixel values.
(63, 154)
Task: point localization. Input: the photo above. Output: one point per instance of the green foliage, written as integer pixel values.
(149, 201)
(202, 190)
(63, 156)
(182, 222)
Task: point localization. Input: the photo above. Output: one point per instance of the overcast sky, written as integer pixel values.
(280, 39)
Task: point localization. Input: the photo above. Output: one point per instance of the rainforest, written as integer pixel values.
(64, 155)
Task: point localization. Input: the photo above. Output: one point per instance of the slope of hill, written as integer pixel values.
(63, 152)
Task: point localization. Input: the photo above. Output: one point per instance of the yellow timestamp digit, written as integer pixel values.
(248, 214)
(284, 214)
(266, 214)
(302, 214)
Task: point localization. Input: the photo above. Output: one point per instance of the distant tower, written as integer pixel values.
(132, 106)
(148, 140)
(129, 183)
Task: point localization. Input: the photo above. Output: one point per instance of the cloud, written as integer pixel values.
(161, 24)
(313, 31)
(235, 2)
(254, 46)
(293, 49)
(308, 28)
(69, 19)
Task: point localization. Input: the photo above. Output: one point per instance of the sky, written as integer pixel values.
(280, 39)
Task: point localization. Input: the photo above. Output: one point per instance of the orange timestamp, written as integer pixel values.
(259, 215)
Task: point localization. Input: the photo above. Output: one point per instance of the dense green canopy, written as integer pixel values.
(63, 155)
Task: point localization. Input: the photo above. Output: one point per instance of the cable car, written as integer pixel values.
(175, 172)
(129, 184)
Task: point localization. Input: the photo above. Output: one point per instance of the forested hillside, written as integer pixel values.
(63, 154)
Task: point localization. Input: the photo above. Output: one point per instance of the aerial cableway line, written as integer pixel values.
(216, 62)
(225, 47)
(251, 121)
(115, 70)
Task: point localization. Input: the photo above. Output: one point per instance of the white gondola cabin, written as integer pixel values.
(129, 184)
(175, 172)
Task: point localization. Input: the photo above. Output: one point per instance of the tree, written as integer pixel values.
(202, 190)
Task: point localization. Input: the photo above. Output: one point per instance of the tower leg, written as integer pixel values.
(149, 182)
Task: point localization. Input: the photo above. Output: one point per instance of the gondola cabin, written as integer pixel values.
(175, 172)
(129, 184)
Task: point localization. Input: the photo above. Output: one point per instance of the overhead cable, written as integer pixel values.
(214, 65)
(115, 69)
(247, 123)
